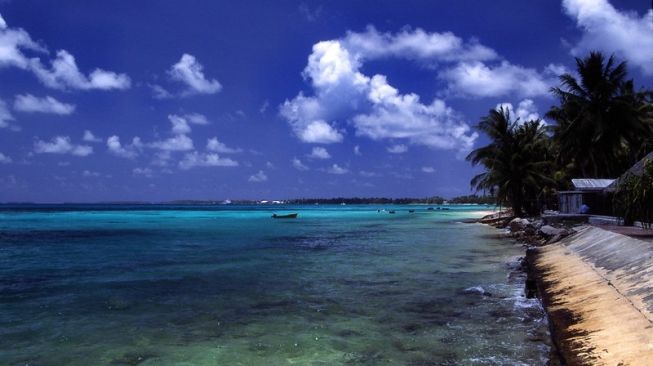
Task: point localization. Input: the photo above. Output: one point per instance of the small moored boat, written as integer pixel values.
(287, 216)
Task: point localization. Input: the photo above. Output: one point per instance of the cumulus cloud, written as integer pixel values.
(478, 79)
(428, 169)
(319, 153)
(5, 115)
(624, 33)
(526, 110)
(159, 92)
(397, 116)
(397, 149)
(416, 44)
(146, 172)
(197, 118)
(190, 72)
(357, 150)
(336, 169)
(90, 137)
(258, 177)
(297, 164)
(63, 72)
(61, 145)
(181, 124)
(213, 144)
(174, 143)
(4, 159)
(302, 113)
(13, 44)
(195, 159)
(124, 151)
(29, 103)
(374, 107)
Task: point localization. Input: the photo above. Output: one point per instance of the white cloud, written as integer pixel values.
(605, 28)
(64, 74)
(197, 118)
(90, 137)
(264, 106)
(61, 145)
(13, 43)
(374, 107)
(258, 177)
(428, 169)
(416, 44)
(397, 149)
(159, 92)
(297, 164)
(357, 150)
(174, 143)
(30, 103)
(302, 114)
(368, 174)
(5, 115)
(88, 173)
(179, 124)
(195, 159)
(213, 144)
(124, 151)
(319, 153)
(162, 158)
(146, 172)
(526, 110)
(320, 132)
(396, 116)
(477, 79)
(336, 169)
(189, 72)
(4, 159)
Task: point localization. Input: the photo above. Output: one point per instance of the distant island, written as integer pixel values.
(434, 200)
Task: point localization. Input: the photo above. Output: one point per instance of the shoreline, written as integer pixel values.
(596, 289)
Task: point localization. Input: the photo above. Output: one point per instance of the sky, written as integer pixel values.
(165, 100)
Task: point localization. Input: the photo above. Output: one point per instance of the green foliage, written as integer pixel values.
(603, 125)
(517, 161)
(633, 199)
(366, 200)
(481, 200)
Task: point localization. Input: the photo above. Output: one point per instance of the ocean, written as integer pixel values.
(229, 285)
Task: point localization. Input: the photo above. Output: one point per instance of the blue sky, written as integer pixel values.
(162, 100)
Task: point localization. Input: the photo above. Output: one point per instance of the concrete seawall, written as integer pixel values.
(597, 287)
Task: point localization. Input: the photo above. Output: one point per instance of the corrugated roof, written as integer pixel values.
(591, 184)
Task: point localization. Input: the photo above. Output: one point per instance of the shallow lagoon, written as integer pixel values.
(228, 285)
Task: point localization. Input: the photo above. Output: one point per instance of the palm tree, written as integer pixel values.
(516, 161)
(602, 123)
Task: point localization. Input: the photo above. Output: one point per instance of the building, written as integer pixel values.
(591, 192)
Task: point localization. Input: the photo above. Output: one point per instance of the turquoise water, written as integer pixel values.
(228, 285)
